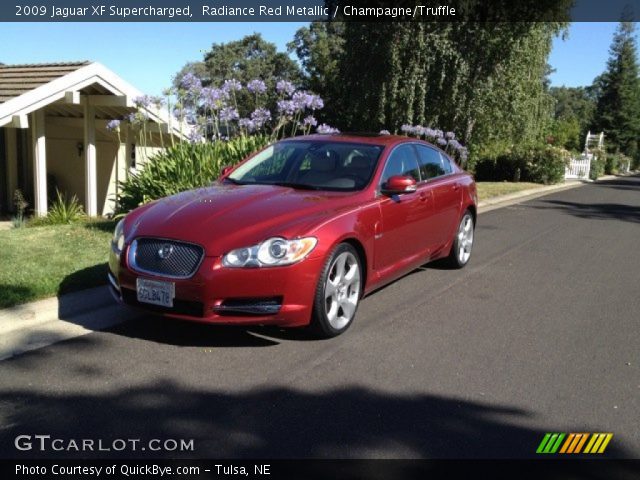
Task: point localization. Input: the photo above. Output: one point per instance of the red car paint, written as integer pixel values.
(392, 233)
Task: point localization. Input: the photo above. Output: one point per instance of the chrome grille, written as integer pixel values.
(167, 258)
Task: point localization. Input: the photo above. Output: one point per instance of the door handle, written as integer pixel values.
(456, 187)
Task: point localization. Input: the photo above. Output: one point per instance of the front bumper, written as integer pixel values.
(240, 296)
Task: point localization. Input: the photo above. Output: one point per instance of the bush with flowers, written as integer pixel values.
(219, 133)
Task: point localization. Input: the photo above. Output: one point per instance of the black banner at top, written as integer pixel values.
(312, 10)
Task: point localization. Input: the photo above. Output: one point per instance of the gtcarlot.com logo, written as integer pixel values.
(574, 443)
(45, 443)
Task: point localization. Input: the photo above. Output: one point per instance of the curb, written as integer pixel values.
(38, 324)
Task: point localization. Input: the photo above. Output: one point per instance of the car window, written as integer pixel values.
(316, 164)
(431, 162)
(403, 162)
(446, 163)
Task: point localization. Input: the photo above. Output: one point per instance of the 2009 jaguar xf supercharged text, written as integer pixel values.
(296, 234)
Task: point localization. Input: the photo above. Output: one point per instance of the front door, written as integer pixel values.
(399, 237)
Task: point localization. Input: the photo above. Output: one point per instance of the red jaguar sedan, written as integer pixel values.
(296, 234)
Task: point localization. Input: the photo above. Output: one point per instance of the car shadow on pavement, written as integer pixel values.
(168, 331)
(275, 422)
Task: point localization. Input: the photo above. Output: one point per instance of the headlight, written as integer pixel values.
(274, 252)
(117, 241)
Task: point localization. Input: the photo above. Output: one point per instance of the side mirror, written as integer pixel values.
(399, 184)
(225, 171)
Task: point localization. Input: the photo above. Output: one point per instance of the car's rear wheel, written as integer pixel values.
(462, 242)
(338, 292)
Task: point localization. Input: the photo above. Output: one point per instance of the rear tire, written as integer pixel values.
(462, 242)
(338, 292)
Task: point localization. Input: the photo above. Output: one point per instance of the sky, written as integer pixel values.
(148, 55)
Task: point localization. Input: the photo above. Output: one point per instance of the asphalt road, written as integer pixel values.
(540, 333)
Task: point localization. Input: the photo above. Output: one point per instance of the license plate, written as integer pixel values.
(155, 292)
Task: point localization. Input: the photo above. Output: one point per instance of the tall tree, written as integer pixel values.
(618, 109)
(319, 48)
(484, 80)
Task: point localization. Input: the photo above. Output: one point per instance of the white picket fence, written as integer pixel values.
(579, 168)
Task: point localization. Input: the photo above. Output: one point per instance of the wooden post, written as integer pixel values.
(39, 163)
(11, 148)
(90, 169)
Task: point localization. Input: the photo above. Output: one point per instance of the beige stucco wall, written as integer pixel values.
(67, 166)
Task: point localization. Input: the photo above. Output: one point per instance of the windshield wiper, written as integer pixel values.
(297, 186)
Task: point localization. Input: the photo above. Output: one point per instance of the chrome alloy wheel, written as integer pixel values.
(465, 238)
(342, 290)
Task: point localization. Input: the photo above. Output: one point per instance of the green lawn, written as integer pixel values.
(40, 262)
(494, 189)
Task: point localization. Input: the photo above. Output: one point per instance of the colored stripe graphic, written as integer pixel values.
(598, 442)
(574, 443)
(550, 443)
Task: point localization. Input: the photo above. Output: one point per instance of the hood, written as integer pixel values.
(224, 217)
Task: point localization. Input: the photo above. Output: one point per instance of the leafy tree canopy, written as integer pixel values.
(618, 107)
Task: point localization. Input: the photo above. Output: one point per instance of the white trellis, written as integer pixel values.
(580, 167)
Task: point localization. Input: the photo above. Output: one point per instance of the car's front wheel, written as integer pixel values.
(338, 292)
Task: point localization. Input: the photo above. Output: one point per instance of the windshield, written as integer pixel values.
(315, 165)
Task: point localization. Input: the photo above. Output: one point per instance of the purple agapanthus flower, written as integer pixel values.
(195, 136)
(257, 86)
(315, 102)
(385, 132)
(407, 128)
(450, 136)
(231, 85)
(213, 98)
(142, 101)
(287, 107)
(260, 116)
(190, 83)
(326, 129)
(441, 141)
(113, 125)
(248, 124)
(429, 132)
(229, 114)
(309, 121)
(454, 144)
(284, 86)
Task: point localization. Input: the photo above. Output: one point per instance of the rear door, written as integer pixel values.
(436, 170)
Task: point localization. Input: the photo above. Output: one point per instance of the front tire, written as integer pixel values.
(338, 292)
(462, 242)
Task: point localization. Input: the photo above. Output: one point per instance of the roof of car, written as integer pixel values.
(372, 138)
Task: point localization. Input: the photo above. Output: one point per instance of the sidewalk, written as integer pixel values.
(38, 324)
(35, 325)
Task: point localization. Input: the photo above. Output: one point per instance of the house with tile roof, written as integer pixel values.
(54, 135)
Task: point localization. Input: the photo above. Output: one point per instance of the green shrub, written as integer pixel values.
(62, 211)
(184, 167)
(538, 164)
(597, 167)
(616, 162)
